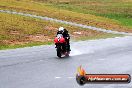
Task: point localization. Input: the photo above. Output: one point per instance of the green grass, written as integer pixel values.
(92, 13)
(98, 37)
(72, 10)
(15, 31)
(4, 47)
(82, 38)
(124, 19)
(119, 10)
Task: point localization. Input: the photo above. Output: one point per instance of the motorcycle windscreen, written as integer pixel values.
(60, 38)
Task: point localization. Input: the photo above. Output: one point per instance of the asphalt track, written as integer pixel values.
(39, 67)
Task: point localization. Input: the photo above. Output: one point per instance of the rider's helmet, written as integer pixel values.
(61, 29)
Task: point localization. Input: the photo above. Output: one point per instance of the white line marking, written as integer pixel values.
(58, 77)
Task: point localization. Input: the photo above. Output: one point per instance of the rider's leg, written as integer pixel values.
(55, 45)
(68, 45)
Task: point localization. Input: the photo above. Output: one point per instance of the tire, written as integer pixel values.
(59, 51)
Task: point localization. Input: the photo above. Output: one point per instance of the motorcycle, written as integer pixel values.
(61, 46)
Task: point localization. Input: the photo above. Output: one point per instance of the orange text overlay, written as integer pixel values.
(103, 78)
(108, 78)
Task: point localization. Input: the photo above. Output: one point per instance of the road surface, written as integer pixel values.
(38, 67)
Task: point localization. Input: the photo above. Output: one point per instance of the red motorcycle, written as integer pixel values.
(61, 46)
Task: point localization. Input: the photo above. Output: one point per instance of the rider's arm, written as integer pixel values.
(67, 34)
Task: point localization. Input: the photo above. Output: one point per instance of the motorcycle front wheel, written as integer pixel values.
(59, 51)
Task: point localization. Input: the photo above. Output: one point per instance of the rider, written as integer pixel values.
(66, 35)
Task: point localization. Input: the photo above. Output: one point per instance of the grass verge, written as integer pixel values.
(119, 10)
(19, 31)
(85, 12)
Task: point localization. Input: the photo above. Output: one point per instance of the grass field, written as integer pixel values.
(80, 11)
(19, 31)
(119, 10)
